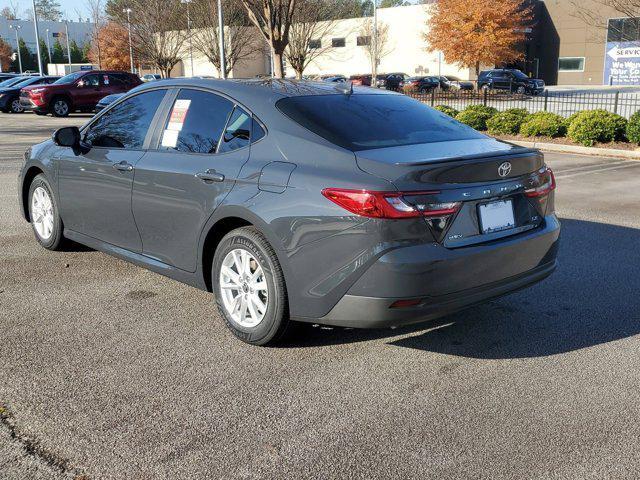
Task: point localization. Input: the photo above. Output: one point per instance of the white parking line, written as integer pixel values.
(594, 165)
(618, 167)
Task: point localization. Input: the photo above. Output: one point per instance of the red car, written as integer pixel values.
(76, 91)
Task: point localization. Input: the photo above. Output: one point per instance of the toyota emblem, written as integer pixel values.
(504, 169)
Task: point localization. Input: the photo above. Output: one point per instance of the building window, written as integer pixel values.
(337, 42)
(571, 64)
(623, 30)
(363, 41)
(315, 44)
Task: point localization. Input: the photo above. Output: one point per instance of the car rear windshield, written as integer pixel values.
(364, 122)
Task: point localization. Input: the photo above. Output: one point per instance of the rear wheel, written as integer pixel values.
(16, 107)
(44, 215)
(249, 287)
(60, 107)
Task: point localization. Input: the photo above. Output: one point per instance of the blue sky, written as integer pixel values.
(68, 7)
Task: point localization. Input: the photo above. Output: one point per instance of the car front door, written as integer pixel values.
(201, 147)
(87, 91)
(501, 80)
(95, 187)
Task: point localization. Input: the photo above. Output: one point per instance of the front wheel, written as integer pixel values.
(16, 106)
(43, 212)
(249, 287)
(60, 107)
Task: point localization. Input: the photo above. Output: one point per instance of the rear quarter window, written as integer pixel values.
(363, 122)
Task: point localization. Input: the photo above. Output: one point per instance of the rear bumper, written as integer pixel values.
(445, 280)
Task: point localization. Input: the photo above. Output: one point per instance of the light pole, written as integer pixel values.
(223, 58)
(374, 56)
(16, 28)
(189, 32)
(128, 12)
(48, 47)
(66, 32)
(35, 24)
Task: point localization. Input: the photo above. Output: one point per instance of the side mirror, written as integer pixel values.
(67, 137)
(70, 137)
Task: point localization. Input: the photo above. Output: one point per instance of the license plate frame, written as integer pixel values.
(496, 216)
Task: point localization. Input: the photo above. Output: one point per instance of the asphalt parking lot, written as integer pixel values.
(111, 371)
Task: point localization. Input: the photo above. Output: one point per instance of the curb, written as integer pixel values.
(600, 152)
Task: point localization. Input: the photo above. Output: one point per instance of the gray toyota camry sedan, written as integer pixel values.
(298, 201)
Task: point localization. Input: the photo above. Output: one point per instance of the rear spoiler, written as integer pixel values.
(518, 151)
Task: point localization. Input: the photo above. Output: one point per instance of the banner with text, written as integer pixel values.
(622, 63)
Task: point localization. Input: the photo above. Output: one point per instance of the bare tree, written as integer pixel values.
(11, 12)
(378, 47)
(273, 19)
(96, 15)
(240, 42)
(159, 32)
(591, 12)
(312, 20)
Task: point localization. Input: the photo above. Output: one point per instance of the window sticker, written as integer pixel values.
(178, 115)
(105, 78)
(170, 138)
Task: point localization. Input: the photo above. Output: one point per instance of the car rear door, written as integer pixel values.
(95, 187)
(195, 165)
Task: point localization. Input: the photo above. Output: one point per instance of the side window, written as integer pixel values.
(126, 125)
(196, 122)
(257, 131)
(238, 131)
(113, 80)
(90, 81)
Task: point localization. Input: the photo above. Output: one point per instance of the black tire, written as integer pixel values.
(60, 107)
(521, 90)
(56, 239)
(276, 318)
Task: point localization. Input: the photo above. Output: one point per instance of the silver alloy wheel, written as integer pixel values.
(243, 287)
(61, 107)
(42, 213)
(16, 107)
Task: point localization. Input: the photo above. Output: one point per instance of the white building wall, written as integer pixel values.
(78, 31)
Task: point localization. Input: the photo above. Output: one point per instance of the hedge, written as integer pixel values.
(452, 112)
(543, 124)
(507, 122)
(633, 128)
(593, 126)
(476, 116)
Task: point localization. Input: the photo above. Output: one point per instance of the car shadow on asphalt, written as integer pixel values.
(591, 299)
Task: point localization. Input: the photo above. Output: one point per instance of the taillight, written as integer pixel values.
(389, 205)
(546, 182)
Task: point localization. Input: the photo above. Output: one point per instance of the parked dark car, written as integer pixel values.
(449, 82)
(4, 76)
(7, 82)
(10, 96)
(296, 201)
(334, 79)
(424, 84)
(76, 91)
(108, 100)
(395, 81)
(510, 79)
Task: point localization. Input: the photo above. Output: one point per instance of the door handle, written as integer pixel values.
(210, 176)
(123, 166)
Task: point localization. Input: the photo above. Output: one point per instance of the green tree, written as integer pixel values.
(58, 55)
(48, 10)
(44, 55)
(392, 3)
(76, 52)
(28, 61)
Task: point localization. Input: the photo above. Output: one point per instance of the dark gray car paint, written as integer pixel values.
(325, 252)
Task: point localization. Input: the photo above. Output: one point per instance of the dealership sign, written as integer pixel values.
(622, 63)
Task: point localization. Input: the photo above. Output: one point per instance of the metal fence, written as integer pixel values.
(562, 103)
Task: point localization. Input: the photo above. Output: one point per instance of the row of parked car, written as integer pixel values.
(83, 91)
(509, 79)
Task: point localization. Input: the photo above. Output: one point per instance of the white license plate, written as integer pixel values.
(496, 216)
